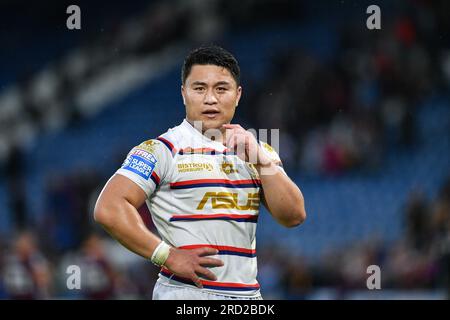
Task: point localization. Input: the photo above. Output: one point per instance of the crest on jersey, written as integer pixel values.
(228, 168)
(148, 145)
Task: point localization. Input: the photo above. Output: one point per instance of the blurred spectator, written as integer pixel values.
(418, 222)
(98, 277)
(441, 212)
(441, 233)
(15, 176)
(26, 273)
(297, 280)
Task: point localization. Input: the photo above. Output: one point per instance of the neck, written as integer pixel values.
(215, 134)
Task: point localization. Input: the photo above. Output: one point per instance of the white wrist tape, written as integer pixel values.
(160, 254)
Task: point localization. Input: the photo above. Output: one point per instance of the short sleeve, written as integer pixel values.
(272, 154)
(147, 165)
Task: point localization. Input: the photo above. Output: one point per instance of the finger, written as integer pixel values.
(237, 139)
(239, 130)
(196, 280)
(205, 273)
(206, 251)
(240, 142)
(228, 134)
(232, 126)
(210, 262)
(230, 140)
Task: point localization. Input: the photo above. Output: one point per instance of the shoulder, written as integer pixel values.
(167, 142)
(156, 147)
(150, 145)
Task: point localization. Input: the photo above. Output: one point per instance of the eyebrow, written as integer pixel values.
(221, 83)
(201, 83)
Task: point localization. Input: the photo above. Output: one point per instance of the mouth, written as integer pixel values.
(211, 113)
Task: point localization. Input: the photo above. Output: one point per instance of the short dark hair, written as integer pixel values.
(213, 55)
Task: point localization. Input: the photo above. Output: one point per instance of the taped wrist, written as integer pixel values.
(160, 254)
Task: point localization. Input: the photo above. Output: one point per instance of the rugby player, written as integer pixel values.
(203, 190)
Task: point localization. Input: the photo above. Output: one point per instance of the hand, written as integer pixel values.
(245, 145)
(191, 264)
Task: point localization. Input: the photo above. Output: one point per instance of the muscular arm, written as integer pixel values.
(116, 211)
(281, 196)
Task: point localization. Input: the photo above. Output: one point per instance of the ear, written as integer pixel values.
(239, 93)
(182, 94)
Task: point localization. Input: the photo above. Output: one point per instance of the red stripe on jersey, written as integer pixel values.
(219, 247)
(215, 283)
(233, 182)
(198, 150)
(167, 143)
(155, 176)
(218, 215)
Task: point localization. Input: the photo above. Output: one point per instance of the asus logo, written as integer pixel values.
(228, 200)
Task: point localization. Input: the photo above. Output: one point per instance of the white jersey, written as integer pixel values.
(200, 195)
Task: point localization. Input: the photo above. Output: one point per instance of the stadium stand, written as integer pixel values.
(356, 208)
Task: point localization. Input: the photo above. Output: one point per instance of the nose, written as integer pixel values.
(210, 97)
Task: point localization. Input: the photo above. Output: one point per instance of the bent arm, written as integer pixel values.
(281, 196)
(116, 211)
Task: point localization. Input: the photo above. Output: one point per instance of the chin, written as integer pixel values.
(213, 124)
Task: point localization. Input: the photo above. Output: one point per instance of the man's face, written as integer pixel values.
(210, 95)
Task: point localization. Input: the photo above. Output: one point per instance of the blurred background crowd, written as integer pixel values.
(364, 120)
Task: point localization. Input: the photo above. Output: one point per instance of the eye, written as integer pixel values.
(199, 89)
(222, 89)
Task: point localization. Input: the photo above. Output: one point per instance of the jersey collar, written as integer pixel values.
(199, 138)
